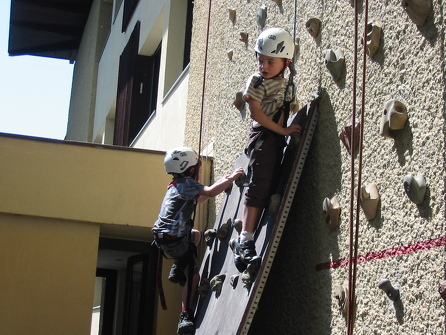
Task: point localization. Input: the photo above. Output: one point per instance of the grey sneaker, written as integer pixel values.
(185, 326)
(238, 262)
(246, 249)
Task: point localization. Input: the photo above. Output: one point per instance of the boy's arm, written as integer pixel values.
(258, 115)
(219, 186)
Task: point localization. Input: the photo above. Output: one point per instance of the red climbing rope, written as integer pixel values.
(354, 229)
(204, 78)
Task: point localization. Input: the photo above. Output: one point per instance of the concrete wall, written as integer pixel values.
(409, 66)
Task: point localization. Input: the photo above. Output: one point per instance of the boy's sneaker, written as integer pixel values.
(239, 264)
(246, 249)
(185, 326)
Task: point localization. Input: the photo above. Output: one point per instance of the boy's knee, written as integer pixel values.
(196, 236)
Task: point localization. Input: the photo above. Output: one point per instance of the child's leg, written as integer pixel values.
(191, 306)
(250, 220)
(196, 237)
(244, 247)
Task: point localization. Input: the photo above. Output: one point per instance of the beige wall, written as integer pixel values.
(409, 66)
(47, 277)
(57, 198)
(77, 182)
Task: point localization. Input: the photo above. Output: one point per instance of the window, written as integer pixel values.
(137, 90)
(129, 9)
(188, 33)
(140, 294)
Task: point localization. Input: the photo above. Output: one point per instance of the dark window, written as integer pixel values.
(140, 295)
(108, 300)
(137, 90)
(129, 9)
(188, 32)
(145, 95)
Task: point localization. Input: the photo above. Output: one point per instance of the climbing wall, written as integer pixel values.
(230, 307)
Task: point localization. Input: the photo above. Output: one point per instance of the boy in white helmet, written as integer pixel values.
(264, 94)
(173, 229)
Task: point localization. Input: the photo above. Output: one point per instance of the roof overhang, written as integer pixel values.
(47, 28)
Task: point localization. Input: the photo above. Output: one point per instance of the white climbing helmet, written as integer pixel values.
(275, 42)
(180, 159)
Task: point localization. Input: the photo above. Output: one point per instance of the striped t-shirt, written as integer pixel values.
(269, 93)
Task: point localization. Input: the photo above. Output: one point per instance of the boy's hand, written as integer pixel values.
(294, 128)
(237, 174)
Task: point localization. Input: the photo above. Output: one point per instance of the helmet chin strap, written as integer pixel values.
(280, 74)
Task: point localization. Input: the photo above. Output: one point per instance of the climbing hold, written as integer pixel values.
(415, 187)
(341, 294)
(232, 13)
(237, 224)
(394, 117)
(234, 280)
(313, 26)
(332, 212)
(373, 38)
(296, 51)
(274, 203)
(217, 283)
(369, 199)
(228, 189)
(209, 236)
(223, 231)
(334, 60)
(240, 182)
(230, 54)
(346, 135)
(244, 37)
(442, 289)
(418, 10)
(239, 103)
(249, 275)
(261, 16)
(204, 287)
(386, 286)
(278, 2)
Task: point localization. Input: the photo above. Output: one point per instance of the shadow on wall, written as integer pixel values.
(296, 298)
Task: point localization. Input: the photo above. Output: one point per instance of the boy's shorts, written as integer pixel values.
(179, 250)
(263, 164)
